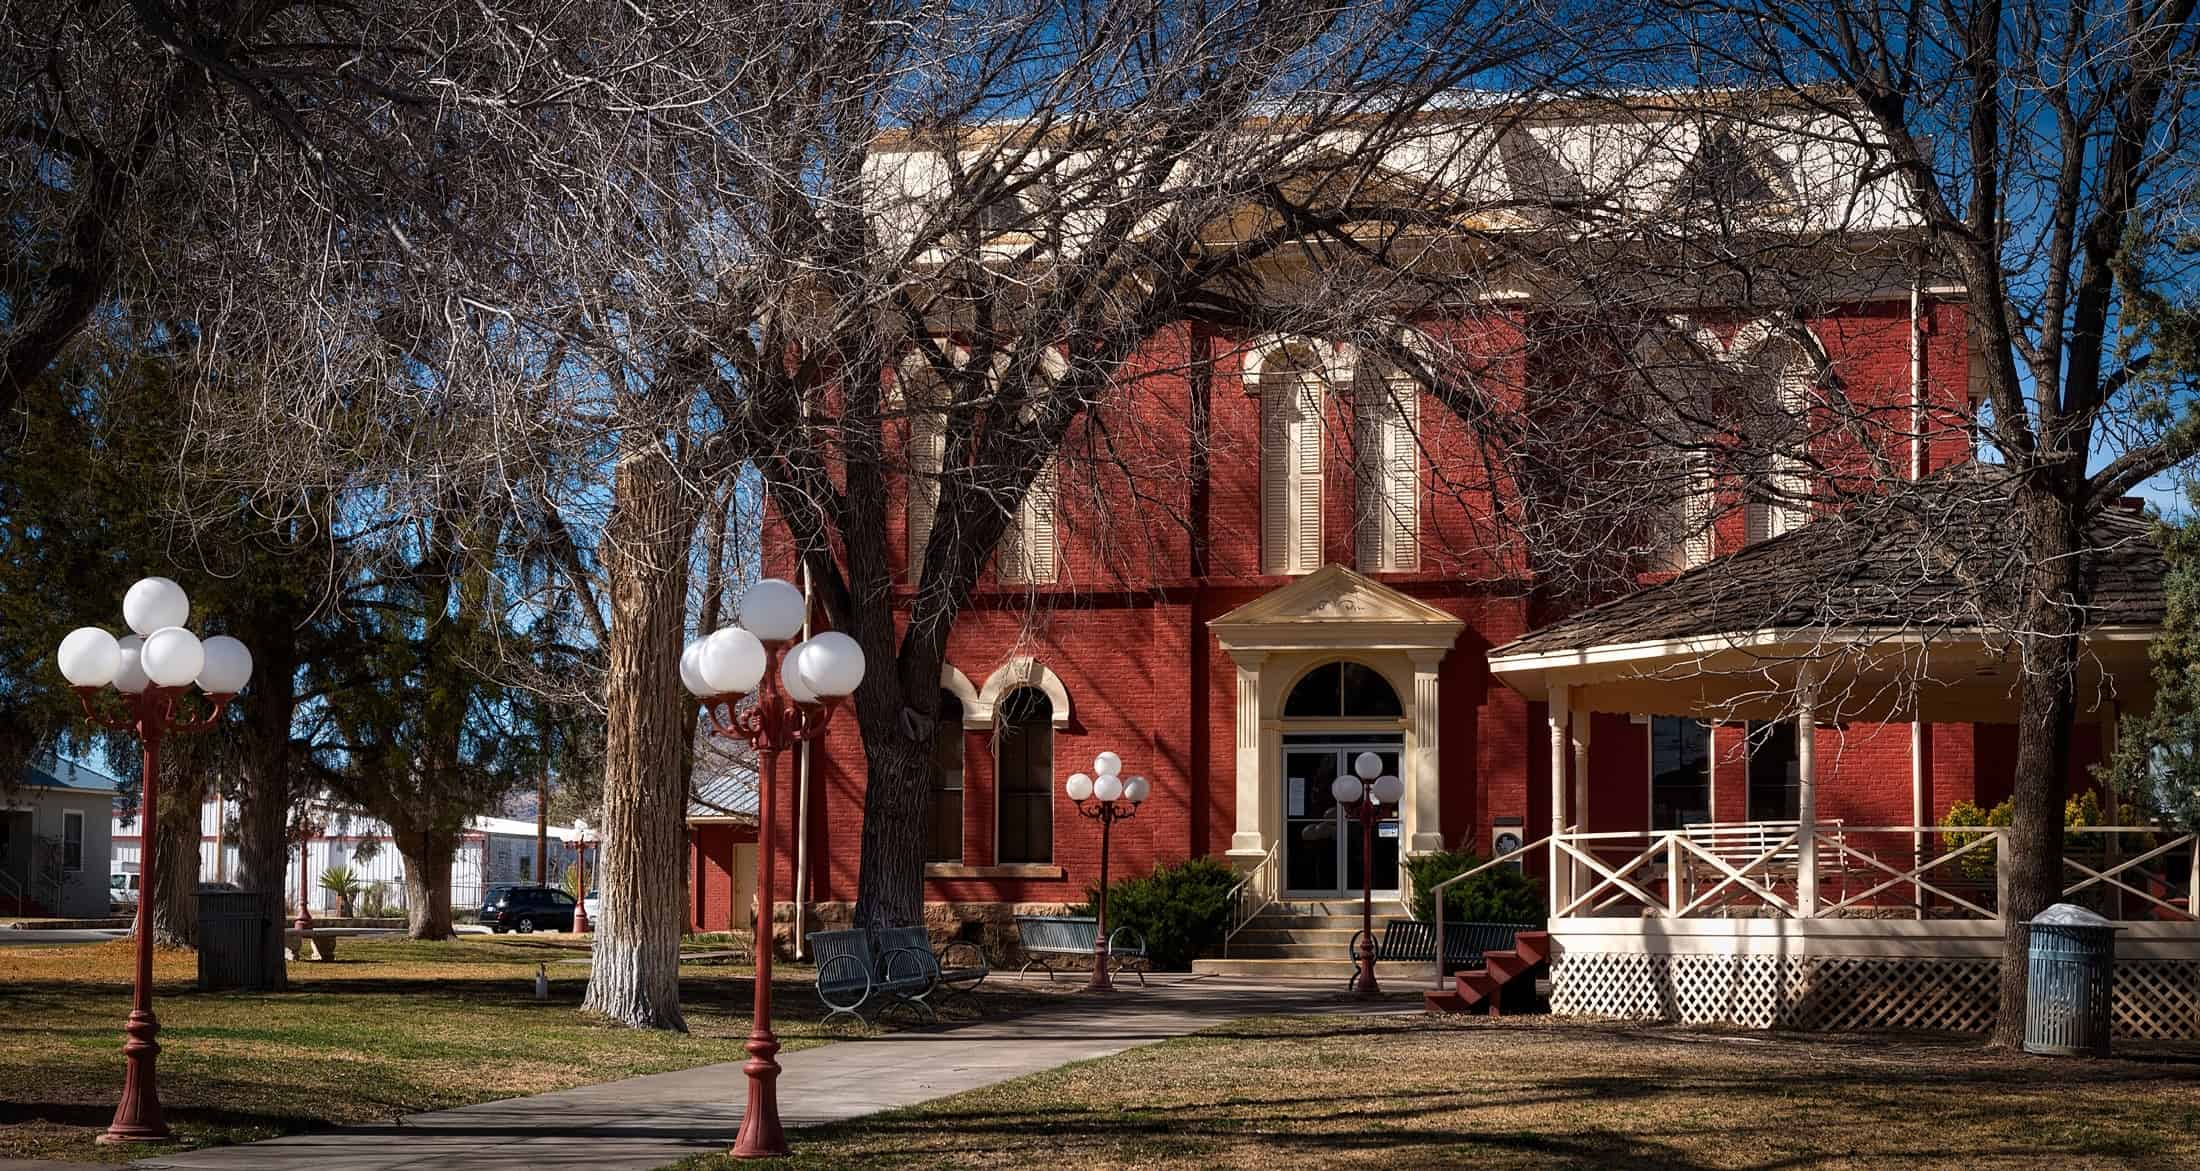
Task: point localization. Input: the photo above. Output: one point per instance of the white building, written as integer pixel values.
(492, 850)
(53, 849)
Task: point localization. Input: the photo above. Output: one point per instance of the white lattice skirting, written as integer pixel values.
(2155, 999)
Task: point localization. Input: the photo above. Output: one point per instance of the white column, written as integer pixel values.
(1248, 844)
(1423, 812)
(1581, 722)
(1806, 796)
(1561, 875)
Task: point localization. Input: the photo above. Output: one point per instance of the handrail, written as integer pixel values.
(1436, 895)
(1239, 917)
(12, 886)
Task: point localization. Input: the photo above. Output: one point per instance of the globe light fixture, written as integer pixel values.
(1363, 793)
(1107, 798)
(149, 672)
(581, 840)
(792, 690)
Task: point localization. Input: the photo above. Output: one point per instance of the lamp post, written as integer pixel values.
(1109, 797)
(793, 691)
(1362, 794)
(151, 670)
(306, 832)
(580, 875)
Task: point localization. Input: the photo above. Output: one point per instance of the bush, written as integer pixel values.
(1182, 910)
(1501, 894)
(2083, 809)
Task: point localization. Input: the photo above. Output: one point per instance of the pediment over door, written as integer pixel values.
(1336, 607)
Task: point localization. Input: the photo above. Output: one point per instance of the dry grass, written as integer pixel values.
(1536, 1093)
(392, 1028)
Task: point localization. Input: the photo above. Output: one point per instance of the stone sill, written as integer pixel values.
(1017, 870)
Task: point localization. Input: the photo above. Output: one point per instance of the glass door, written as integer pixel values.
(1323, 843)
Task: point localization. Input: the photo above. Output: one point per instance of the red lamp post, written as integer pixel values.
(151, 671)
(793, 691)
(1362, 794)
(1108, 798)
(306, 832)
(581, 842)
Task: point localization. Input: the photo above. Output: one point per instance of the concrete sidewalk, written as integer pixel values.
(650, 1121)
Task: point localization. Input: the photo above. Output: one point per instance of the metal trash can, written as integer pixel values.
(2070, 984)
(233, 937)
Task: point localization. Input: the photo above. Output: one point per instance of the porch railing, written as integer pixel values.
(1518, 857)
(1253, 893)
(2126, 873)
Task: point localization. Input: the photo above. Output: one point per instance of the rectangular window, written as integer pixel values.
(1680, 772)
(72, 841)
(1775, 775)
(1026, 790)
(944, 828)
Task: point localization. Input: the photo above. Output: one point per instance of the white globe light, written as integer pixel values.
(691, 669)
(832, 664)
(89, 657)
(1137, 789)
(772, 610)
(1107, 788)
(153, 604)
(1346, 790)
(172, 656)
(1078, 786)
(130, 676)
(790, 676)
(1367, 766)
(733, 662)
(1107, 764)
(1389, 789)
(228, 666)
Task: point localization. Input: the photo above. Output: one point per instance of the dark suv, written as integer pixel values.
(526, 908)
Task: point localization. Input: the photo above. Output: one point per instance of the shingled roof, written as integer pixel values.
(1938, 556)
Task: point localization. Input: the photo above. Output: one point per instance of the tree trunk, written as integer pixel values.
(427, 883)
(2032, 864)
(263, 815)
(635, 979)
(890, 886)
(175, 894)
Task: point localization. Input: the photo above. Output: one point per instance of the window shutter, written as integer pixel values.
(1275, 477)
(927, 455)
(1370, 476)
(1039, 504)
(1403, 497)
(1696, 508)
(1306, 476)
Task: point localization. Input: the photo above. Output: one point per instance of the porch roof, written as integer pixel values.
(1892, 604)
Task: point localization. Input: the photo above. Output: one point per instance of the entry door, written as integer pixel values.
(1322, 843)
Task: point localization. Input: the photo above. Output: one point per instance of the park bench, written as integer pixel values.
(314, 945)
(956, 967)
(853, 970)
(1413, 941)
(1071, 937)
(1760, 849)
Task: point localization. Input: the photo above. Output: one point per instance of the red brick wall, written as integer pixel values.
(1125, 626)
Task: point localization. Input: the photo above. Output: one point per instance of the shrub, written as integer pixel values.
(1182, 910)
(1501, 894)
(339, 880)
(2083, 809)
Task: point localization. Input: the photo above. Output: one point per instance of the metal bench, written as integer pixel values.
(957, 966)
(1413, 941)
(851, 973)
(1071, 937)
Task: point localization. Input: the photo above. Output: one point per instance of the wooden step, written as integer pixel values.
(1533, 946)
(1442, 1001)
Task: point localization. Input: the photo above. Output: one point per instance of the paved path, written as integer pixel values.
(58, 937)
(650, 1121)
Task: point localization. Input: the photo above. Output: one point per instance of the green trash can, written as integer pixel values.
(2070, 983)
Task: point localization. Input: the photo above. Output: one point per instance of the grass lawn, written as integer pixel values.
(1531, 1092)
(393, 1027)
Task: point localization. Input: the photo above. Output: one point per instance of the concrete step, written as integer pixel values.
(1273, 921)
(1259, 935)
(1338, 907)
(1406, 977)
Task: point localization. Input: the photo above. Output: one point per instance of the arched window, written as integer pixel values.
(1343, 690)
(1290, 381)
(1777, 496)
(1024, 759)
(943, 839)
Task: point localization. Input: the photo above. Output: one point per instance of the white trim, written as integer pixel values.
(1022, 671)
(1800, 638)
